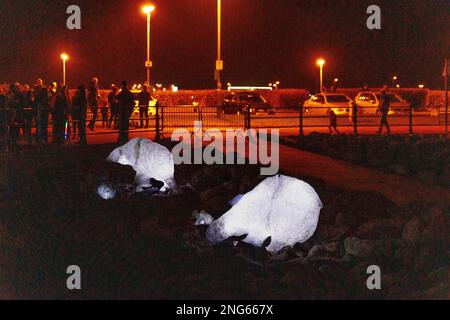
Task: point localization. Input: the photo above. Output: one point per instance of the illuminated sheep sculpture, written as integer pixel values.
(149, 160)
(283, 208)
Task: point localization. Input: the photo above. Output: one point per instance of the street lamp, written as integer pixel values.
(219, 62)
(148, 9)
(64, 57)
(321, 62)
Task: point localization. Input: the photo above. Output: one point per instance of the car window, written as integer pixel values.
(367, 97)
(334, 98)
(252, 98)
(318, 98)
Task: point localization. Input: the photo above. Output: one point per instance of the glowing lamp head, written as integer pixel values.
(64, 56)
(421, 86)
(148, 9)
(394, 78)
(320, 62)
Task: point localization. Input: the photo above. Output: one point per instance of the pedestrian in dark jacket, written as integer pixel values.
(144, 102)
(42, 101)
(385, 104)
(114, 106)
(3, 121)
(126, 105)
(59, 114)
(333, 122)
(79, 104)
(92, 99)
(28, 112)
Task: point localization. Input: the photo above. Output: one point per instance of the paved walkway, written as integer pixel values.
(400, 189)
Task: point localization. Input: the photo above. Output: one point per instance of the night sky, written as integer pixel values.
(263, 41)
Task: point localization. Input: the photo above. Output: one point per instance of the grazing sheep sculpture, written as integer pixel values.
(149, 160)
(283, 208)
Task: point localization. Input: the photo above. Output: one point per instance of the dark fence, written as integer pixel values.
(163, 120)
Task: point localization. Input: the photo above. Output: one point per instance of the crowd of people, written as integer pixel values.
(21, 107)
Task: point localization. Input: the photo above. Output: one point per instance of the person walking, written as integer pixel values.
(333, 122)
(59, 114)
(114, 106)
(144, 102)
(92, 99)
(385, 104)
(126, 103)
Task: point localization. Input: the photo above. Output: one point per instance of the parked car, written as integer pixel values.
(369, 102)
(322, 103)
(237, 103)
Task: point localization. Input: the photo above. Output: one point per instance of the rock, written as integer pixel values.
(359, 248)
(284, 254)
(329, 250)
(283, 208)
(327, 233)
(346, 220)
(412, 232)
(379, 229)
(202, 218)
(106, 191)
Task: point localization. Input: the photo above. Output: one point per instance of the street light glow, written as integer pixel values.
(64, 56)
(320, 62)
(148, 9)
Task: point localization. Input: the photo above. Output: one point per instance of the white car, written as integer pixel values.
(369, 102)
(322, 103)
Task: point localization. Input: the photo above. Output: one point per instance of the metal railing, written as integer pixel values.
(166, 119)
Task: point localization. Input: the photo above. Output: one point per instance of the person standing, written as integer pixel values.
(92, 99)
(3, 121)
(114, 106)
(144, 102)
(28, 112)
(59, 114)
(126, 103)
(79, 103)
(13, 104)
(385, 104)
(42, 104)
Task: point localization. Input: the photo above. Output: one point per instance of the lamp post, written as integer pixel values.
(219, 62)
(148, 9)
(321, 62)
(64, 57)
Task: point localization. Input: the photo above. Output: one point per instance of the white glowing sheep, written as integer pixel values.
(149, 160)
(283, 208)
